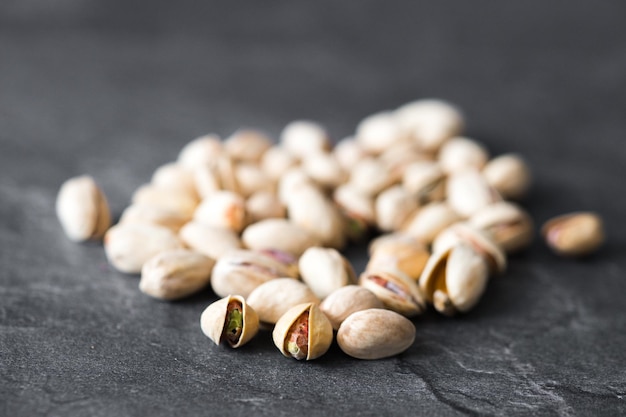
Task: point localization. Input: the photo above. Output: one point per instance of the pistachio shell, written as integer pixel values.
(200, 151)
(429, 221)
(292, 180)
(278, 234)
(82, 209)
(224, 209)
(375, 334)
(468, 192)
(394, 206)
(348, 152)
(173, 199)
(324, 170)
(320, 331)
(342, 302)
(247, 145)
(510, 226)
(398, 251)
(509, 175)
(264, 205)
(355, 203)
(396, 290)
(324, 270)
(302, 138)
(174, 175)
(574, 234)
(207, 180)
(460, 154)
(276, 161)
(425, 180)
(175, 274)
(370, 176)
(213, 321)
(378, 132)
(273, 298)
(150, 214)
(211, 241)
(251, 179)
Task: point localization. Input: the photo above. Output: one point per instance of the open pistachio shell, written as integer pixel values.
(574, 234)
(347, 300)
(303, 332)
(230, 320)
(454, 279)
(510, 226)
(324, 270)
(397, 291)
(273, 298)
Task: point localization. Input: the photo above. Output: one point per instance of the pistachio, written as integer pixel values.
(82, 209)
(425, 180)
(324, 270)
(454, 279)
(509, 175)
(247, 145)
(394, 206)
(375, 334)
(276, 161)
(230, 320)
(348, 152)
(428, 221)
(302, 138)
(241, 271)
(430, 122)
(510, 226)
(147, 213)
(303, 332)
(200, 151)
(173, 199)
(175, 274)
(378, 132)
(398, 251)
(264, 205)
(468, 192)
(399, 157)
(207, 180)
(355, 204)
(209, 240)
(251, 179)
(278, 234)
(342, 302)
(129, 246)
(370, 176)
(324, 170)
(294, 179)
(397, 291)
(459, 154)
(574, 234)
(222, 209)
(273, 298)
(174, 175)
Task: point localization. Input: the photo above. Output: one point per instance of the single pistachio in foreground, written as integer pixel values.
(230, 320)
(347, 300)
(574, 234)
(303, 332)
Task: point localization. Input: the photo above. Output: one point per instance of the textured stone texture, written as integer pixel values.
(115, 88)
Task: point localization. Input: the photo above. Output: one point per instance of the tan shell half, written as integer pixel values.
(273, 298)
(397, 291)
(510, 226)
(347, 300)
(320, 331)
(213, 320)
(430, 220)
(325, 270)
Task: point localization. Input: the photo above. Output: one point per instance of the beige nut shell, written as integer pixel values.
(400, 294)
(324, 270)
(574, 234)
(273, 298)
(278, 234)
(213, 319)
(347, 300)
(320, 330)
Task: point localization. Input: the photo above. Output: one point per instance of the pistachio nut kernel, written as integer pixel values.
(347, 300)
(303, 332)
(273, 298)
(396, 290)
(454, 279)
(325, 270)
(574, 234)
(507, 224)
(230, 320)
(510, 175)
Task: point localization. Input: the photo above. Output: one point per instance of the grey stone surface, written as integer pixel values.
(115, 88)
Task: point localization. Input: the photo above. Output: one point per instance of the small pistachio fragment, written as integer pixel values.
(375, 334)
(303, 332)
(347, 300)
(325, 270)
(264, 205)
(278, 234)
(399, 251)
(230, 320)
(302, 138)
(150, 214)
(324, 170)
(209, 240)
(397, 291)
(241, 271)
(222, 209)
(428, 221)
(425, 180)
(200, 151)
(370, 176)
(173, 199)
(574, 234)
(378, 132)
(82, 209)
(247, 145)
(394, 206)
(129, 246)
(273, 298)
(459, 154)
(454, 279)
(509, 175)
(175, 274)
(276, 161)
(348, 152)
(510, 226)
(468, 192)
(174, 175)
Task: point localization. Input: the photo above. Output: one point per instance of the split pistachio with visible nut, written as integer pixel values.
(574, 234)
(397, 291)
(325, 270)
(230, 320)
(303, 332)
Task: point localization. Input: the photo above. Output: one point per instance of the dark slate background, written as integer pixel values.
(116, 88)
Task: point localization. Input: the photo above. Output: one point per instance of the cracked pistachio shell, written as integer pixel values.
(214, 317)
(479, 240)
(324, 170)
(224, 209)
(174, 175)
(430, 122)
(211, 241)
(241, 271)
(172, 199)
(574, 234)
(264, 205)
(129, 246)
(378, 132)
(375, 334)
(425, 180)
(149, 214)
(325, 270)
(370, 176)
(273, 298)
(310, 209)
(247, 145)
(251, 179)
(175, 274)
(397, 291)
(509, 175)
(347, 300)
(429, 221)
(302, 138)
(320, 331)
(394, 207)
(510, 226)
(455, 279)
(468, 192)
(200, 151)
(348, 152)
(398, 251)
(276, 161)
(280, 234)
(459, 154)
(82, 209)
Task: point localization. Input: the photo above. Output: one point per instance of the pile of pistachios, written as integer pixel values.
(263, 224)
